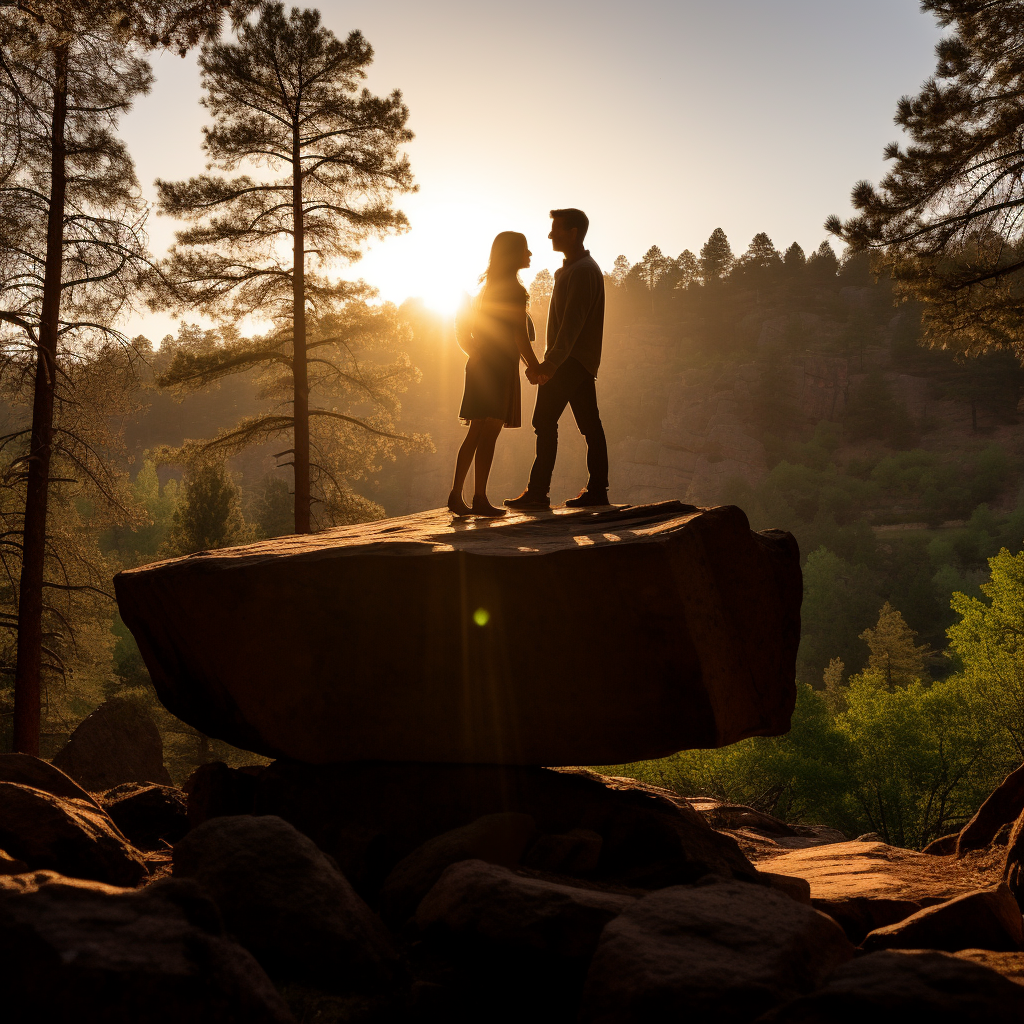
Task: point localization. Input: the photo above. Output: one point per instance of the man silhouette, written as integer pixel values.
(568, 373)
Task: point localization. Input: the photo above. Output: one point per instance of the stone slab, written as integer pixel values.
(572, 637)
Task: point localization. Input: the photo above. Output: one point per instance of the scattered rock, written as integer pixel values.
(692, 645)
(147, 814)
(894, 987)
(989, 919)
(1009, 965)
(214, 790)
(11, 865)
(369, 816)
(74, 951)
(869, 837)
(577, 852)
(529, 939)
(1013, 864)
(730, 816)
(866, 885)
(944, 846)
(1005, 803)
(119, 742)
(493, 906)
(494, 838)
(27, 770)
(286, 902)
(65, 834)
(721, 952)
(798, 889)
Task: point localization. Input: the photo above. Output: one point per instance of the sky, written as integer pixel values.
(662, 119)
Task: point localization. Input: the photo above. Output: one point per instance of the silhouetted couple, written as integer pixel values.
(496, 332)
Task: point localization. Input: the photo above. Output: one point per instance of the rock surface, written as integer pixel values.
(148, 814)
(88, 952)
(495, 838)
(27, 770)
(868, 885)
(722, 952)
(896, 987)
(494, 931)
(501, 911)
(1013, 864)
(119, 742)
(286, 902)
(368, 816)
(65, 834)
(1005, 804)
(989, 919)
(677, 627)
(1009, 965)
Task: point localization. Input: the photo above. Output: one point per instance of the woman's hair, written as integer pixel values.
(506, 250)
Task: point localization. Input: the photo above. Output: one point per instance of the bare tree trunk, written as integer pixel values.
(30, 602)
(299, 374)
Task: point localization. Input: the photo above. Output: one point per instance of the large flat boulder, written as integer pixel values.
(575, 637)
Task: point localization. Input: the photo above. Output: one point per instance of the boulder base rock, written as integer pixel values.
(148, 814)
(869, 885)
(368, 816)
(1005, 804)
(495, 838)
(722, 952)
(119, 742)
(65, 834)
(575, 637)
(896, 987)
(286, 902)
(88, 952)
(989, 919)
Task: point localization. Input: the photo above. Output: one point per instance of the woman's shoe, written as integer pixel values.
(482, 507)
(457, 505)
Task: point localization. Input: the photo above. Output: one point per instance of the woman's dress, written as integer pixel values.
(492, 371)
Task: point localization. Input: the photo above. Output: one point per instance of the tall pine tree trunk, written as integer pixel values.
(30, 603)
(299, 373)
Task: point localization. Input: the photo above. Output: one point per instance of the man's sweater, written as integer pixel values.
(576, 315)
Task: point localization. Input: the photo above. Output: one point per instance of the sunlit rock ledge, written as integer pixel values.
(572, 637)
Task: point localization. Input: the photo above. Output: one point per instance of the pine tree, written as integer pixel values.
(620, 270)
(794, 259)
(285, 97)
(946, 219)
(824, 264)
(716, 258)
(894, 655)
(835, 699)
(541, 287)
(761, 254)
(208, 514)
(72, 250)
(687, 269)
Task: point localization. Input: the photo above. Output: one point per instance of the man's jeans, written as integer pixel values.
(571, 385)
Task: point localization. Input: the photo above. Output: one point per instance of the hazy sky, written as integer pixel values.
(663, 119)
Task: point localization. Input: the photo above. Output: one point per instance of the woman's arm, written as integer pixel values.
(522, 339)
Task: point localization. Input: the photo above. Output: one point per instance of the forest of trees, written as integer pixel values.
(118, 451)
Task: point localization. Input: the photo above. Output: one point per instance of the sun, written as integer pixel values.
(441, 258)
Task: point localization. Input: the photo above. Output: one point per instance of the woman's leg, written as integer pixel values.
(462, 463)
(485, 456)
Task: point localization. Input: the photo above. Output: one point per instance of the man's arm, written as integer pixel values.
(582, 292)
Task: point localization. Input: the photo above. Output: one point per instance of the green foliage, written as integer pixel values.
(989, 641)
(209, 513)
(895, 657)
(840, 600)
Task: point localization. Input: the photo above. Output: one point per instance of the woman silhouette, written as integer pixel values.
(495, 331)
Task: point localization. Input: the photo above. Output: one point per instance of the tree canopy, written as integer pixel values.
(946, 220)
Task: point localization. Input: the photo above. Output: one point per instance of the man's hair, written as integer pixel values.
(573, 218)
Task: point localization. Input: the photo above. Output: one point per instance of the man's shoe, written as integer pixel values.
(587, 499)
(527, 501)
